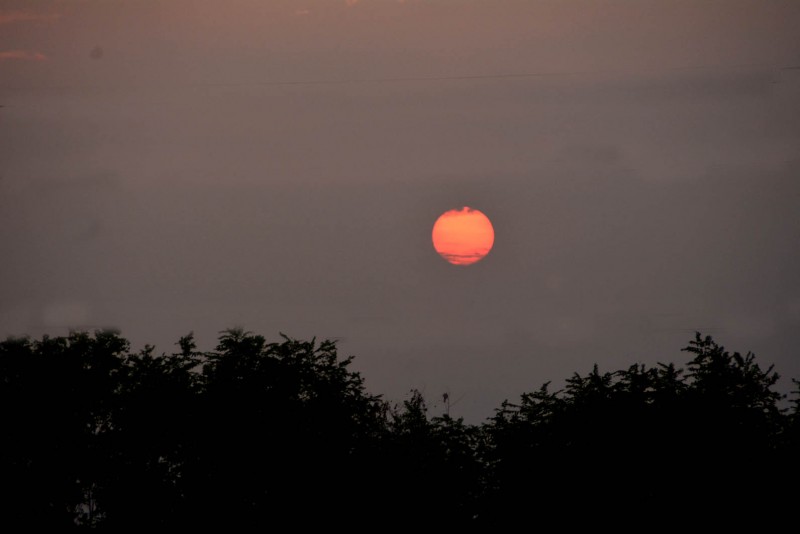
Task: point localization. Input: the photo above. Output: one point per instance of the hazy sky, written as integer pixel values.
(279, 164)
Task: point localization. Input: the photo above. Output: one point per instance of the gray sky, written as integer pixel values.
(278, 165)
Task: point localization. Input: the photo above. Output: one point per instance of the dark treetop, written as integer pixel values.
(258, 434)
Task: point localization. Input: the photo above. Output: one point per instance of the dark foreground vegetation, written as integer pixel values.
(257, 434)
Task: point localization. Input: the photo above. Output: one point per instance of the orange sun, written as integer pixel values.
(463, 236)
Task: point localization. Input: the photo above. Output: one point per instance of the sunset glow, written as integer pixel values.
(464, 236)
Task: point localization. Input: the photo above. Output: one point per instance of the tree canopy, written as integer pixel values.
(256, 433)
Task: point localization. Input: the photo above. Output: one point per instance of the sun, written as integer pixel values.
(463, 236)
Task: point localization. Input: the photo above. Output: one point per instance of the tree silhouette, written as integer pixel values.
(255, 434)
(57, 400)
(432, 468)
(286, 432)
(151, 439)
(643, 440)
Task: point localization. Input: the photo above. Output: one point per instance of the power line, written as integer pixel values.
(413, 79)
(497, 76)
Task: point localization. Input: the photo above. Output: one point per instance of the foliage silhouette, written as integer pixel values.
(253, 434)
(646, 440)
(432, 465)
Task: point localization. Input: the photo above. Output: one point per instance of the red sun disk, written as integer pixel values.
(463, 236)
